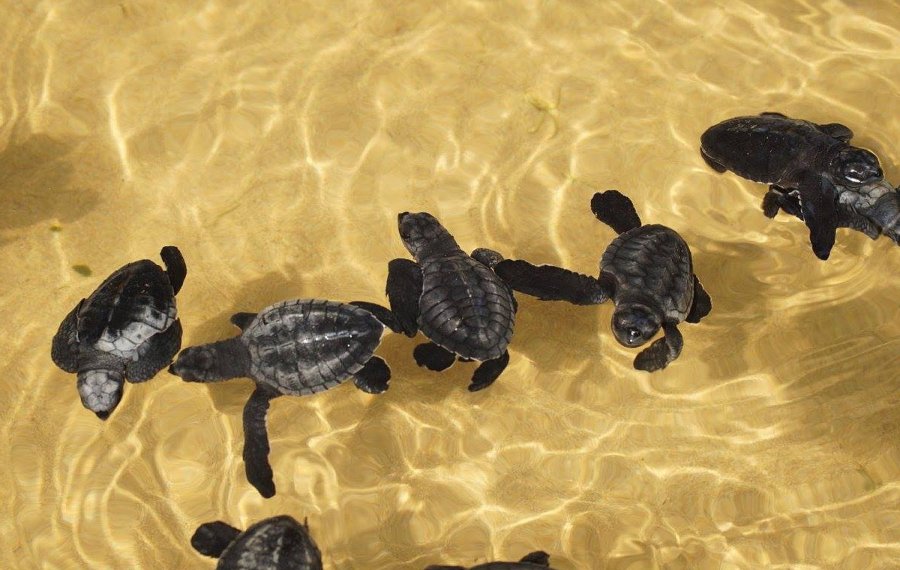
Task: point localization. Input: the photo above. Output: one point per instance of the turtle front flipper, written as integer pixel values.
(778, 198)
(538, 557)
(256, 441)
(663, 351)
(211, 539)
(374, 376)
(433, 357)
(818, 202)
(615, 210)
(155, 354)
(404, 287)
(383, 314)
(701, 305)
(176, 269)
(551, 283)
(64, 350)
(488, 372)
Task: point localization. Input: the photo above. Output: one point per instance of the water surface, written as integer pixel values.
(276, 142)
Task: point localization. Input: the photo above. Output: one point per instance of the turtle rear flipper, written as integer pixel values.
(242, 320)
(211, 539)
(256, 442)
(837, 130)
(176, 269)
(663, 351)
(701, 305)
(64, 350)
(488, 371)
(155, 354)
(404, 287)
(551, 283)
(487, 257)
(818, 201)
(383, 314)
(374, 376)
(433, 356)
(538, 557)
(615, 210)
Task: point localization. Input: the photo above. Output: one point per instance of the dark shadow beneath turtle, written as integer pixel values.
(813, 172)
(295, 347)
(648, 273)
(456, 300)
(533, 561)
(127, 329)
(276, 543)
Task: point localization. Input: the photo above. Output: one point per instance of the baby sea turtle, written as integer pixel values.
(295, 347)
(276, 543)
(534, 561)
(128, 329)
(647, 271)
(456, 300)
(813, 172)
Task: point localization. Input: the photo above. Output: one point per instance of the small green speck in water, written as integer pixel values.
(82, 270)
(56, 228)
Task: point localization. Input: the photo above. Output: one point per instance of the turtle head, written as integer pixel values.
(633, 324)
(853, 166)
(420, 231)
(212, 362)
(101, 390)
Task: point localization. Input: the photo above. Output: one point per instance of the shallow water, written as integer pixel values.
(276, 146)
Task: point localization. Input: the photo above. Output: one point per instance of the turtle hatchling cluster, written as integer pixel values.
(462, 303)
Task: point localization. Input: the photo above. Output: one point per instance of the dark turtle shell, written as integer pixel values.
(305, 346)
(651, 264)
(769, 147)
(277, 543)
(129, 307)
(465, 307)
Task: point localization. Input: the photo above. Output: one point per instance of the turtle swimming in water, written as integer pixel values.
(647, 271)
(534, 561)
(455, 299)
(296, 348)
(276, 543)
(127, 329)
(813, 172)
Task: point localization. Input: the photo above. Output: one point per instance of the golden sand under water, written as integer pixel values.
(276, 142)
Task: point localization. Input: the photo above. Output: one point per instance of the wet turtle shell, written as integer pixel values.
(304, 346)
(537, 560)
(126, 329)
(652, 264)
(276, 543)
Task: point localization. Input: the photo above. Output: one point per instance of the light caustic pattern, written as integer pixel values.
(276, 142)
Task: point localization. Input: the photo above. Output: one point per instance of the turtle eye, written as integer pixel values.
(633, 335)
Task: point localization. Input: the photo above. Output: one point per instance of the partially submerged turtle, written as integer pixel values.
(295, 347)
(456, 300)
(534, 561)
(276, 543)
(813, 172)
(647, 271)
(127, 329)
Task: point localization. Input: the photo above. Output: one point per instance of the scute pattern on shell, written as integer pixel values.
(765, 148)
(305, 346)
(272, 544)
(652, 262)
(465, 307)
(130, 306)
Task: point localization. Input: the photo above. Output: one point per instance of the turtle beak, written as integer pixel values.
(102, 415)
(400, 217)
